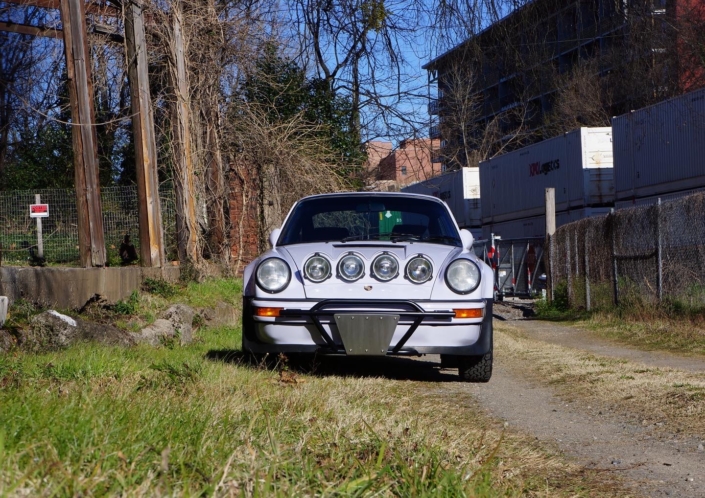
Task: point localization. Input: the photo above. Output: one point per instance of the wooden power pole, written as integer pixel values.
(91, 238)
(149, 210)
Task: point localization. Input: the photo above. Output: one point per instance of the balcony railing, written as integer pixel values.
(433, 107)
(435, 131)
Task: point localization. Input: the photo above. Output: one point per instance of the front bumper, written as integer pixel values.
(423, 327)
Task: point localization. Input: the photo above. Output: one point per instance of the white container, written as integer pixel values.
(578, 165)
(660, 149)
(459, 189)
(535, 226)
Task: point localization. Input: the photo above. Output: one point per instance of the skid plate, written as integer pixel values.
(366, 333)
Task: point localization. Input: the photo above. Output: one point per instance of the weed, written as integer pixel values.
(160, 288)
(129, 306)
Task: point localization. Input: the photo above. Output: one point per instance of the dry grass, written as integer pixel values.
(651, 395)
(650, 332)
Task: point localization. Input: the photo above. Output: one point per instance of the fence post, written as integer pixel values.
(615, 275)
(659, 252)
(550, 230)
(40, 236)
(569, 269)
(514, 282)
(587, 272)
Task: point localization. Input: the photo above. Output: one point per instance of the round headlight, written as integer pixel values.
(463, 276)
(419, 270)
(385, 267)
(317, 268)
(273, 275)
(351, 268)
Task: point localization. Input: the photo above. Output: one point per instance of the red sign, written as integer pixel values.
(39, 210)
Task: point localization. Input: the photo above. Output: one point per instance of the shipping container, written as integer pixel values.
(660, 149)
(653, 199)
(578, 165)
(459, 189)
(535, 226)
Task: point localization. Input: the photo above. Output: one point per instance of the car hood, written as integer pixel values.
(368, 287)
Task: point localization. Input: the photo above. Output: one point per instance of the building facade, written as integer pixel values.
(578, 61)
(412, 161)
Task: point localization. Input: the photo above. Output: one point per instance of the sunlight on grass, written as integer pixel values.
(197, 420)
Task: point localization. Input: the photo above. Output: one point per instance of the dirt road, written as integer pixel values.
(582, 413)
(653, 460)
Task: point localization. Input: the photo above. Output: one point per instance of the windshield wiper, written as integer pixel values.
(360, 237)
(404, 237)
(442, 238)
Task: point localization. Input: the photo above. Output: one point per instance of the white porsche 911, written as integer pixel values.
(371, 274)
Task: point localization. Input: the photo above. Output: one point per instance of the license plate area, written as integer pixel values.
(366, 334)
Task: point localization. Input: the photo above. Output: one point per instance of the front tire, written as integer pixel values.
(475, 368)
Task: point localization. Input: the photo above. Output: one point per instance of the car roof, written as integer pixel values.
(375, 194)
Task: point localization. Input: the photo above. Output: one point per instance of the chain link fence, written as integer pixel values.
(517, 263)
(644, 254)
(18, 232)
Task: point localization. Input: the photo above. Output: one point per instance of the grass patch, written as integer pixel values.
(675, 325)
(665, 395)
(149, 421)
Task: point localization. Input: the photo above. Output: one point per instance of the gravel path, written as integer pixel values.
(653, 462)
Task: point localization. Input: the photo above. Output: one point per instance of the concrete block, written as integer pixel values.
(3, 310)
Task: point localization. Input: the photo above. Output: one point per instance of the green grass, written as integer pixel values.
(184, 421)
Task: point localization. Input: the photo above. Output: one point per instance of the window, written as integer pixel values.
(403, 170)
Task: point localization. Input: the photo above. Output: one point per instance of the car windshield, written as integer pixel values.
(378, 217)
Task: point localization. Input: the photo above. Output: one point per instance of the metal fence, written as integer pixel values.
(650, 254)
(517, 263)
(18, 232)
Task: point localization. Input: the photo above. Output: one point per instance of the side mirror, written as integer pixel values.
(274, 236)
(467, 239)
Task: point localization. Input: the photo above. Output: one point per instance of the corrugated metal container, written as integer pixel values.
(660, 149)
(460, 189)
(577, 164)
(535, 226)
(646, 201)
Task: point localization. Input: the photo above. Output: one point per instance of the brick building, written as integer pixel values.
(413, 161)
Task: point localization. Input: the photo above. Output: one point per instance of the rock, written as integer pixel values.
(3, 310)
(8, 342)
(157, 332)
(222, 314)
(701, 447)
(181, 318)
(50, 331)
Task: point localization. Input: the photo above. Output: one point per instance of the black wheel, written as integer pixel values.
(475, 368)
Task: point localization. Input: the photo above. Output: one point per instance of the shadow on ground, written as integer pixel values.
(423, 369)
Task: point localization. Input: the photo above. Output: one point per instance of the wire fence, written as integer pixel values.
(645, 254)
(517, 263)
(18, 232)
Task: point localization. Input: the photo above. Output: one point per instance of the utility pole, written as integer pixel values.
(550, 230)
(151, 232)
(91, 238)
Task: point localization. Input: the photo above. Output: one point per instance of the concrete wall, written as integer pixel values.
(72, 288)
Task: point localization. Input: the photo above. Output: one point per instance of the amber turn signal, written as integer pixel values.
(471, 313)
(271, 312)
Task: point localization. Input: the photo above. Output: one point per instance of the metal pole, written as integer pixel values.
(569, 269)
(514, 281)
(40, 239)
(587, 274)
(615, 274)
(659, 252)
